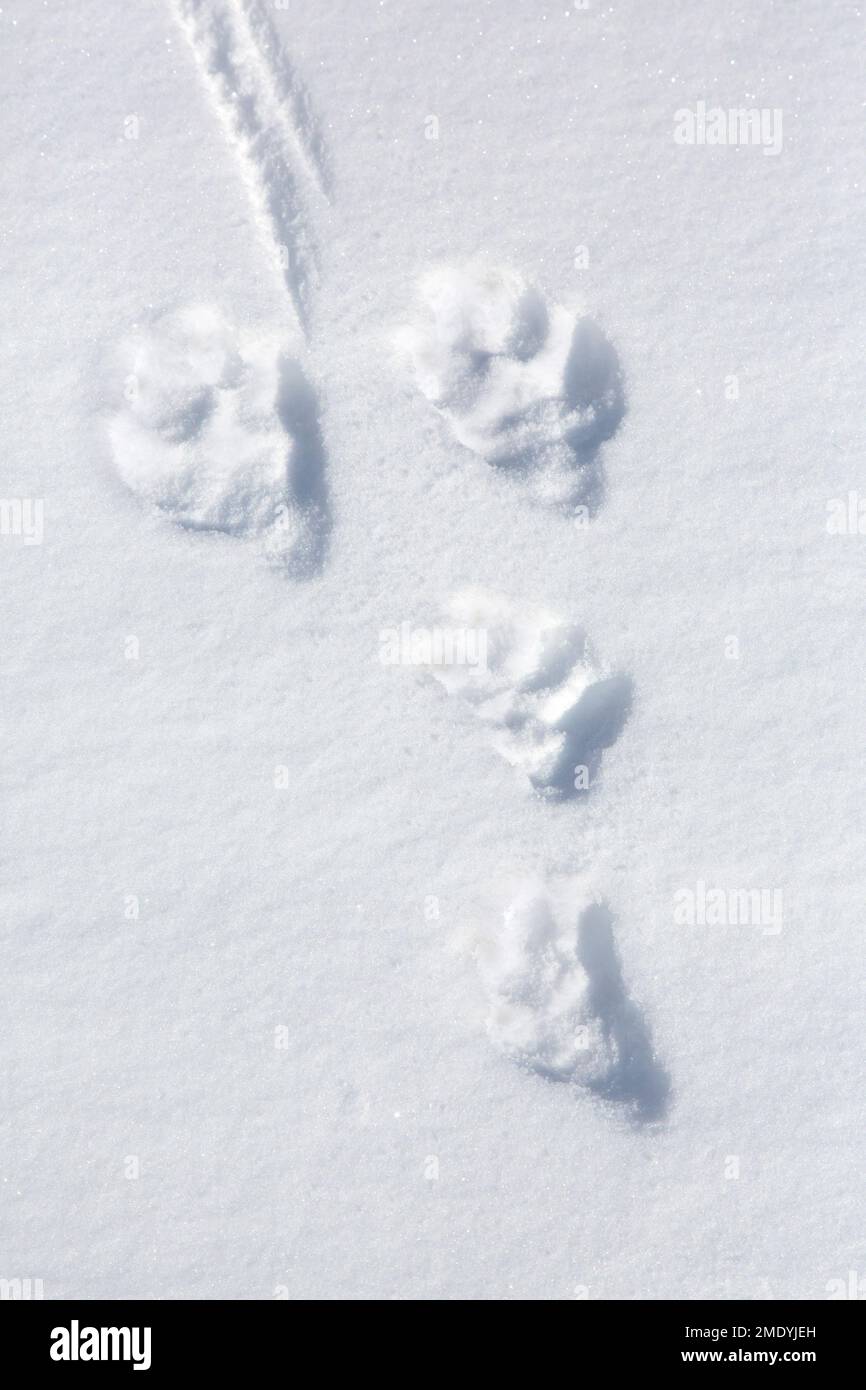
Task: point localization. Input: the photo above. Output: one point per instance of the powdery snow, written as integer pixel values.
(330, 976)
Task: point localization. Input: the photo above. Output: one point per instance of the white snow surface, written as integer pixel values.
(267, 900)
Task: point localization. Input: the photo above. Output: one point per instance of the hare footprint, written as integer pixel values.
(219, 431)
(557, 1001)
(529, 387)
(536, 686)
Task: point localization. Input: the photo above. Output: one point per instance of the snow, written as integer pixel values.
(532, 681)
(525, 387)
(219, 430)
(558, 1004)
(265, 916)
(200, 434)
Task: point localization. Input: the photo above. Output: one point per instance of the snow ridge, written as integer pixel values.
(295, 112)
(269, 125)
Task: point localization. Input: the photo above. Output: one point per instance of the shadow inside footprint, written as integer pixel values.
(637, 1079)
(593, 386)
(592, 724)
(298, 410)
(592, 402)
(592, 381)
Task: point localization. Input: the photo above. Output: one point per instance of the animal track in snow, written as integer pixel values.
(530, 388)
(220, 431)
(267, 117)
(549, 708)
(557, 1002)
